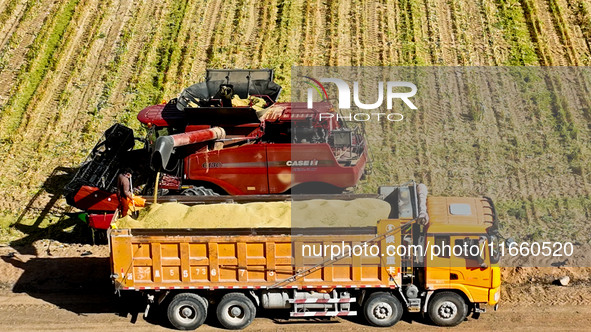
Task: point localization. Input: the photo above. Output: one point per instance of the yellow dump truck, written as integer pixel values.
(432, 255)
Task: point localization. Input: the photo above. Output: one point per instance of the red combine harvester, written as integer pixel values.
(206, 143)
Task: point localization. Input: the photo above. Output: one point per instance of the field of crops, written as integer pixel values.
(71, 68)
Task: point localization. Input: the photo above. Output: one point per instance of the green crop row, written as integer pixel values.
(409, 47)
(63, 98)
(536, 29)
(558, 219)
(169, 43)
(111, 76)
(44, 147)
(149, 80)
(7, 12)
(513, 23)
(568, 131)
(563, 31)
(283, 50)
(13, 43)
(583, 18)
(220, 49)
(40, 56)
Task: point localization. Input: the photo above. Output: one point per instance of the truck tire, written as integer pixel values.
(199, 191)
(186, 311)
(447, 309)
(235, 311)
(382, 309)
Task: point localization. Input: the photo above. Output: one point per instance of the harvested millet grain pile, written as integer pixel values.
(360, 212)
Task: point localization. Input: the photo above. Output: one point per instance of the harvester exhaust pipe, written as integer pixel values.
(166, 144)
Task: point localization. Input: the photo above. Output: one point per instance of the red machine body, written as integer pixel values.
(201, 140)
(261, 157)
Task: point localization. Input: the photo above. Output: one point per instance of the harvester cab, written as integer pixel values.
(221, 85)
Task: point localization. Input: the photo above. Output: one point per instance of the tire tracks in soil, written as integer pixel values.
(205, 38)
(36, 127)
(247, 30)
(563, 31)
(268, 32)
(11, 24)
(476, 50)
(24, 34)
(135, 60)
(103, 50)
(175, 78)
(447, 37)
(88, 78)
(579, 18)
(222, 42)
(548, 38)
(40, 64)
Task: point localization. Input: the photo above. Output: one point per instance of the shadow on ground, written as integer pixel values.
(81, 285)
(69, 228)
(78, 284)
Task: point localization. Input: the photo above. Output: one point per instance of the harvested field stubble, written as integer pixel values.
(69, 69)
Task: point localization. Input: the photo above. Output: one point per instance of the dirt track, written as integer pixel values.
(59, 286)
(54, 312)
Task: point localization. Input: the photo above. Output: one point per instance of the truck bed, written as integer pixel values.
(243, 258)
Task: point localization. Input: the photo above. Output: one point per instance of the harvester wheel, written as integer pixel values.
(447, 309)
(235, 311)
(199, 191)
(382, 309)
(187, 311)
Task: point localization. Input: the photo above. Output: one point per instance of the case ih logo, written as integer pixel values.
(212, 165)
(345, 93)
(291, 163)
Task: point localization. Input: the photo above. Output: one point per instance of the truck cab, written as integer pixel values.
(464, 261)
(454, 270)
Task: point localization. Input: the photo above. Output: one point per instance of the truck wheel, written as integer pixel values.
(447, 309)
(199, 191)
(382, 309)
(235, 311)
(187, 311)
